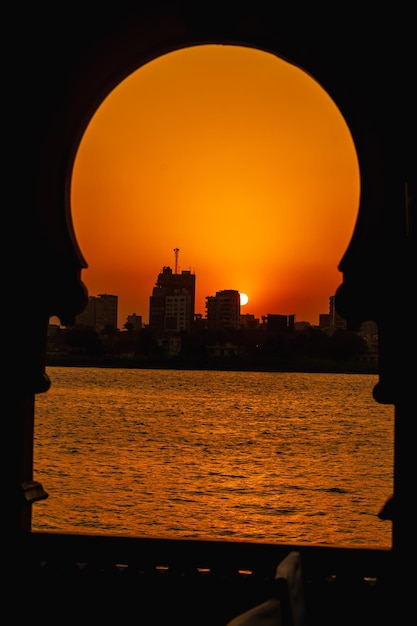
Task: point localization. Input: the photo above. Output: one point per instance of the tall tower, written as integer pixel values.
(172, 303)
(176, 252)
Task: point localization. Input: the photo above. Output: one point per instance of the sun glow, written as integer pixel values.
(243, 299)
(249, 154)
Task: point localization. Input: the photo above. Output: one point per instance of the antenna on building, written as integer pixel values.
(176, 251)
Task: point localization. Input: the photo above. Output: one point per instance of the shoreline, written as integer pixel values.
(306, 366)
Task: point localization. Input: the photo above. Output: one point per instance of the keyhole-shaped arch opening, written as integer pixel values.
(234, 156)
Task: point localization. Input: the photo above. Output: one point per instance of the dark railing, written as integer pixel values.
(158, 581)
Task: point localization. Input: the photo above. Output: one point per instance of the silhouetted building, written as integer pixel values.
(223, 309)
(324, 322)
(336, 321)
(100, 312)
(134, 321)
(171, 305)
(300, 326)
(280, 323)
(248, 321)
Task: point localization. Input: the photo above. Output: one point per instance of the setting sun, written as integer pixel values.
(236, 156)
(243, 299)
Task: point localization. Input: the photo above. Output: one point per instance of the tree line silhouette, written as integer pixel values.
(309, 349)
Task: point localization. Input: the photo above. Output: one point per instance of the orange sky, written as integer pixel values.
(235, 157)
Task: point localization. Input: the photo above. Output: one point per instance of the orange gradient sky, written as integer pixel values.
(232, 155)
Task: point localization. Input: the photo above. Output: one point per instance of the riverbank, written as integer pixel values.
(303, 365)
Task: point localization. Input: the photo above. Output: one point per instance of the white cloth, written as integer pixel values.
(290, 569)
(270, 613)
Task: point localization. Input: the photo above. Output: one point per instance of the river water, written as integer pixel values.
(245, 456)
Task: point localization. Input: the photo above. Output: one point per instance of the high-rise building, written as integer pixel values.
(223, 309)
(100, 312)
(335, 319)
(172, 303)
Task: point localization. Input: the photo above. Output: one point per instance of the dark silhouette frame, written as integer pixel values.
(71, 62)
